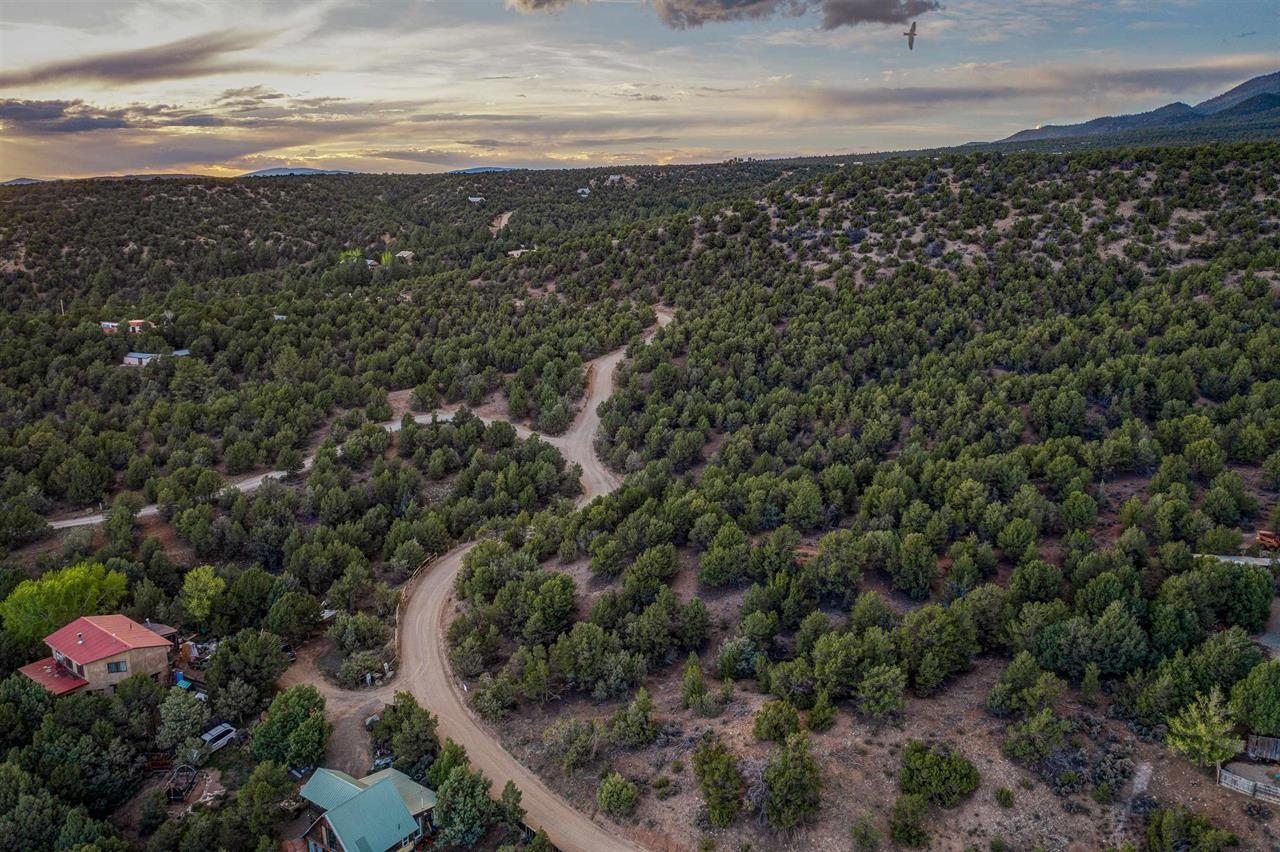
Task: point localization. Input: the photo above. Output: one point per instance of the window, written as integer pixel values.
(117, 668)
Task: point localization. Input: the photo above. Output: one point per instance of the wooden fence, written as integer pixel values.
(1266, 792)
(1264, 748)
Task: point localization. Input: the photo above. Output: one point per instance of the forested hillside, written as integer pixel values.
(914, 484)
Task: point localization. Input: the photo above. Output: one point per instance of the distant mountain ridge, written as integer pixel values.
(482, 170)
(295, 171)
(1253, 99)
(1267, 84)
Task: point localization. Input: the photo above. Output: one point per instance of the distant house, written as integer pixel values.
(612, 179)
(142, 359)
(279, 317)
(476, 199)
(520, 251)
(406, 256)
(110, 327)
(384, 811)
(583, 192)
(371, 263)
(140, 326)
(97, 652)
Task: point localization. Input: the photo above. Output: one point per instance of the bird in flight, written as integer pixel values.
(911, 36)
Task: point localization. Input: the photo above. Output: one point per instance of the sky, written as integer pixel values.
(222, 87)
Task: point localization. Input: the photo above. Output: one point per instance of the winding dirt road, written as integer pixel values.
(424, 662)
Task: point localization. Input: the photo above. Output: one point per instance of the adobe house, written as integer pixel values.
(384, 811)
(97, 652)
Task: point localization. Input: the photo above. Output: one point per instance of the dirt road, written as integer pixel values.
(424, 662)
(576, 444)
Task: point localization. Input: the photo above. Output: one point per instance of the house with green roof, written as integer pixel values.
(381, 812)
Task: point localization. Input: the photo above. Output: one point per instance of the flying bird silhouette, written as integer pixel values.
(911, 36)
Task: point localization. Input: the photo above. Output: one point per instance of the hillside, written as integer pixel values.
(1267, 84)
(899, 468)
(1253, 98)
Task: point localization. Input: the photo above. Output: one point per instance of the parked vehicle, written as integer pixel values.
(218, 736)
(383, 762)
(300, 772)
(371, 721)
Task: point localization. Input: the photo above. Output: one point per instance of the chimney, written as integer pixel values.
(80, 638)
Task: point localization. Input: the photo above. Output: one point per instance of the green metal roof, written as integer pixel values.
(373, 820)
(328, 788)
(416, 797)
(372, 814)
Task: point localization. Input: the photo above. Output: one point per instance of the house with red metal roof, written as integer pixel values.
(99, 651)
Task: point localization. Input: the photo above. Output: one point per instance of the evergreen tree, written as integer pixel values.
(794, 783)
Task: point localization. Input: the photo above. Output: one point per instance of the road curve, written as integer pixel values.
(576, 444)
(424, 660)
(423, 651)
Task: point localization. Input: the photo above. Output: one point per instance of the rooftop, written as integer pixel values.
(53, 676)
(95, 637)
(375, 812)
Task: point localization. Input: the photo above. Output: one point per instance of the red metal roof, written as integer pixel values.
(53, 676)
(95, 637)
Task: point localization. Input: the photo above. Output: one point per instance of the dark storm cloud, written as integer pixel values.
(189, 57)
(843, 13)
(37, 118)
(683, 14)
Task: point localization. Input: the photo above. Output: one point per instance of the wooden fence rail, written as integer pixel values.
(1264, 748)
(1266, 792)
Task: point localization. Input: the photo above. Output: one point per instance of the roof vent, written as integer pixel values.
(80, 638)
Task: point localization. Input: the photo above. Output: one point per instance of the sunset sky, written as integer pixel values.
(222, 87)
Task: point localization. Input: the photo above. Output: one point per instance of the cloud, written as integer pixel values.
(43, 117)
(999, 83)
(197, 56)
(842, 13)
(686, 14)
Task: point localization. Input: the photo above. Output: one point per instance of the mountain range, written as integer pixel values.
(1256, 100)
(294, 171)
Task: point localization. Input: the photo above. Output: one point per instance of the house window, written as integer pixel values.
(117, 668)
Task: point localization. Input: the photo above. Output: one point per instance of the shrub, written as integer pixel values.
(617, 796)
(1004, 797)
(905, 821)
(794, 784)
(823, 713)
(571, 742)
(865, 835)
(775, 721)
(1031, 741)
(1176, 829)
(938, 774)
(716, 769)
